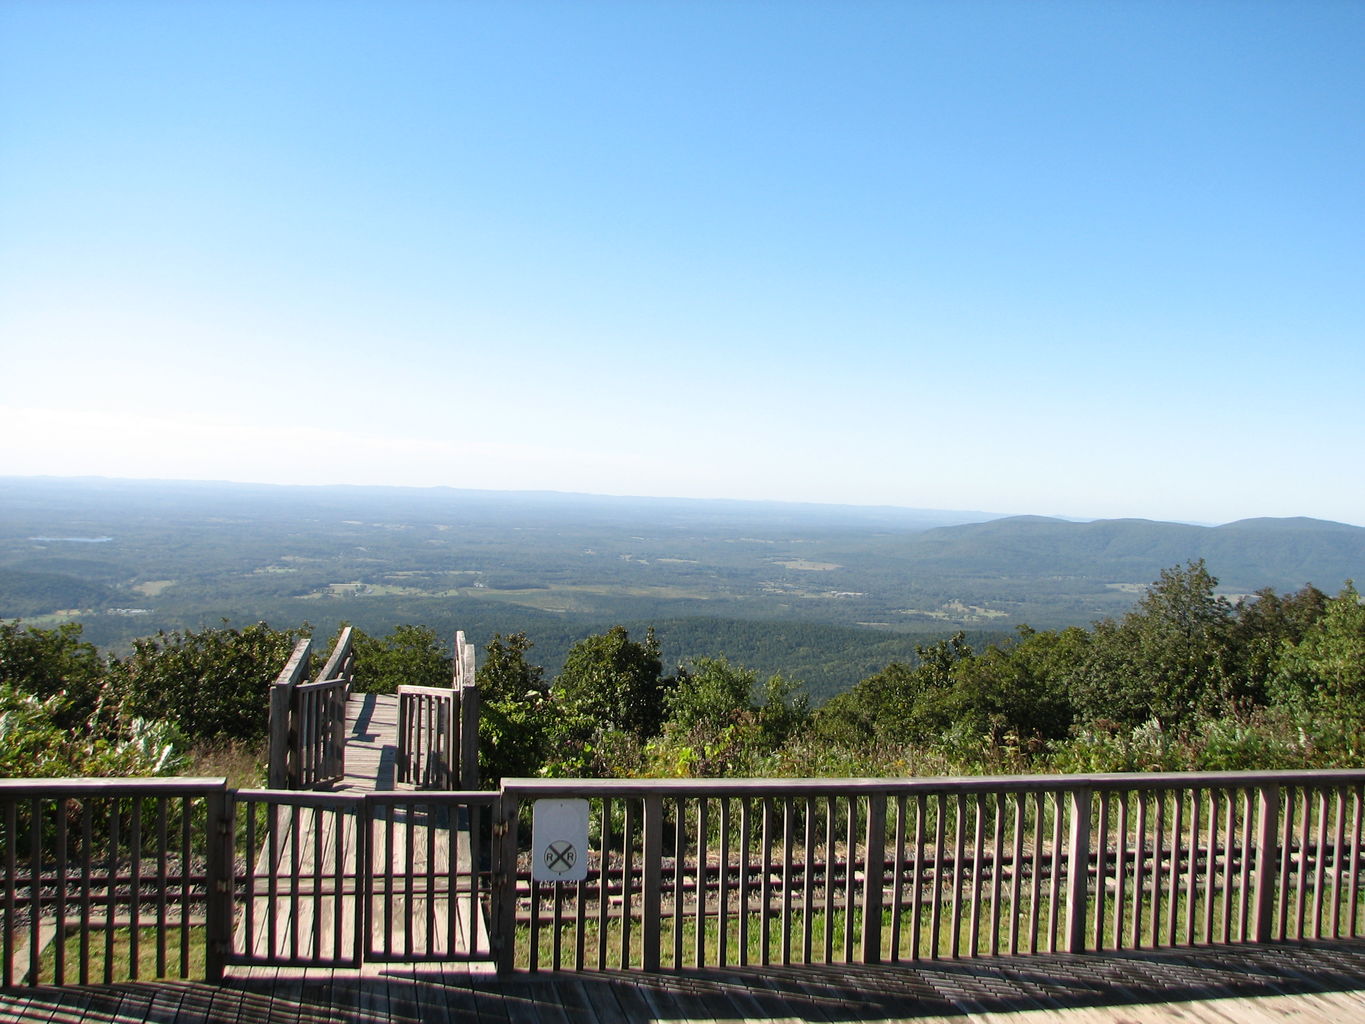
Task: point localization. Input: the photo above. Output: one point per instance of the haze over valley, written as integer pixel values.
(822, 593)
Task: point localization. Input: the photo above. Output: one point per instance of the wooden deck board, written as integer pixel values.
(371, 743)
(1309, 983)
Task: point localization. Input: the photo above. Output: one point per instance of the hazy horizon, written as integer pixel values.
(984, 514)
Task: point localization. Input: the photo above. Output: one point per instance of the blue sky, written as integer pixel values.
(1093, 259)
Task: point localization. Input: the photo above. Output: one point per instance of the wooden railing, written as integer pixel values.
(345, 878)
(112, 878)
(438, 729)
(130, 877)
(308, 719)
(714, 872)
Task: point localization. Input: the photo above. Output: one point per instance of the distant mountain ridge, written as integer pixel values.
(1248, 553)
(819, 590)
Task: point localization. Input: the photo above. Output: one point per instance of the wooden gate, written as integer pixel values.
(339, 879)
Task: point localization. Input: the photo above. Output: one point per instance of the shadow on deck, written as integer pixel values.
(1322, 981)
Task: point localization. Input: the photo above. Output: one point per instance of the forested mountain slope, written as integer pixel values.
(1249, 553)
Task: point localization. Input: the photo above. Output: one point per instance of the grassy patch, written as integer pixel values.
(172, 952)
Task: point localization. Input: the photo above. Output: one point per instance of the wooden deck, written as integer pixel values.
(1310, 982)
(421, 912)
(371, 744)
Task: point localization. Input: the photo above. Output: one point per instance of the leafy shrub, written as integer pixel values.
(214, 684)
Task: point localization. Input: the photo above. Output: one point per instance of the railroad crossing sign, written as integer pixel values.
(559, 840)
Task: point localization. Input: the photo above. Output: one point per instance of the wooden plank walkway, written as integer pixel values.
(1311, 983)
(371, 744)
(417, 907)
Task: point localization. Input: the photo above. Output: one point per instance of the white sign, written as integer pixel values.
(559, 840)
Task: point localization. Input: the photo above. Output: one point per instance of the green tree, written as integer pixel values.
(516, 718)
(615, 682)
(1262, 629)
(1167, 660)
(409, 655)
(1018, 693)
(716, 724)
(900, 703)
(53, 663)
(213, 684)
(1327, 667)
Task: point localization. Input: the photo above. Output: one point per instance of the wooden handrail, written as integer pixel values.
(705, 871)
(537, 788)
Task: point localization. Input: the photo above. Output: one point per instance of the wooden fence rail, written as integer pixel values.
(717, 872)
(438, 729)
(95, 868)
(680, 872)
(308, 719)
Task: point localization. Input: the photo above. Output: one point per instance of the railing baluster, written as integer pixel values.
(1016, 872)
(850, 859)
(1319, 863)
(1101, 867)
(11, 887)
(1353, 893)
(1036, 882)
(1338, 841)
(699, 938)
(918, 878)
(87, 844)
(1054, 883)
(808, 881)
(765, 885)
(1244, 878)
(1191, 883)
(679, 876)
(830, 888)
(787, 841)
(35, 889)
(1229, 834)
(997, 856)
(954, 938)
(59, 939)
(1211, 867)
(978, 840)
(1353, 889)
(1177, 845)
(1158, 827)
(603, 885)
(745, 849)
(186, 819)
(161, 853)
(898, 870)
(723, 887)
(627, 871)
(1139, 868)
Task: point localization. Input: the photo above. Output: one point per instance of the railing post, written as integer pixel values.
(469, 720)
(504, 937)
(651, 870)
(1267, 859)
(874, 871)
(219, 881)
(404, 757)
(280, 695)
(284, 760)
(1078, 869)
